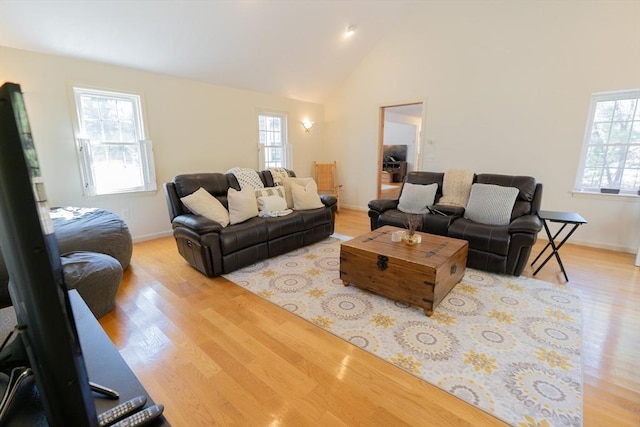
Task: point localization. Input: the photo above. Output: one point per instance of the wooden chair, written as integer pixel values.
(325, 176)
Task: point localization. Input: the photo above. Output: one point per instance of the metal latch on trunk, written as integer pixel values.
(383, 262)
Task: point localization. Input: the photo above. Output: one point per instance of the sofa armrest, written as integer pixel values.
(381, 205)
(526, 224)
(197, 223)
(173, 201)
(328, 200)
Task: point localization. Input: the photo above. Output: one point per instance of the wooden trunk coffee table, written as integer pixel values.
(421, 275)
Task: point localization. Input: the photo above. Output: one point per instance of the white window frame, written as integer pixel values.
(146, 180)
(285, 149)
(632, 143)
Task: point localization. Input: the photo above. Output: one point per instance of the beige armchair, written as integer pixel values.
(325, 175)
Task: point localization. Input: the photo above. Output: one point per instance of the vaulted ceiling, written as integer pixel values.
(292, 48)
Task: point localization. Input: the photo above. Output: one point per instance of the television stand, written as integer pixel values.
(104, 365)
(398, 170)
(20, 374)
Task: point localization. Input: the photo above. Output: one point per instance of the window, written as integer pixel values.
(272, 136)
(115, 155)
(611, 149)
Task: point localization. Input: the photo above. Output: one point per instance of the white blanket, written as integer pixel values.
(247, 178)
(456, 187)
(279, 174)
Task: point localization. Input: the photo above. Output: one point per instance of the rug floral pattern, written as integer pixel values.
(508, 345)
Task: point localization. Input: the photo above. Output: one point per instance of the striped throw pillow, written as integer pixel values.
(271, 191)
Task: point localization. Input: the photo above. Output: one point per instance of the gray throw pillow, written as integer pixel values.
(491, 204)
(416, 197)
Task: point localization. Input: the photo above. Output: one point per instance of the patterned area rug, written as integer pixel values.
(510, 346)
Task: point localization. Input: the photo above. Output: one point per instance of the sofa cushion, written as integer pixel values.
(416, 197)
(202, 203)
(243, 235)
(287, 183)
(242, 205)
(432, 224)
(482, 237)
(313, 218)
(216, 184)
(284, 225)
(490, 204)
(306, 197)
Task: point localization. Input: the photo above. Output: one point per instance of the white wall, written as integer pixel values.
(195, 127)
(508, 86)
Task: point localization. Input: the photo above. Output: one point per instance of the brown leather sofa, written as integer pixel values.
(214, 250)
(494, 248)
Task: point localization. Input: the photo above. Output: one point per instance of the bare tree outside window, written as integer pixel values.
(611, 150)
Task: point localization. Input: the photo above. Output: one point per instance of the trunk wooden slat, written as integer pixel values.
(420, 275)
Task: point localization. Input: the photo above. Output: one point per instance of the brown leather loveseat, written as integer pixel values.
(213, 249)
(494, 248)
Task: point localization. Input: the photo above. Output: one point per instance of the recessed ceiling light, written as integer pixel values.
(351, 30)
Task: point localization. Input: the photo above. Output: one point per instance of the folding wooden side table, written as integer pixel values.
(564, 218)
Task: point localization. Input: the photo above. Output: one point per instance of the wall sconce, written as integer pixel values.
(351, 30)
(306, 125)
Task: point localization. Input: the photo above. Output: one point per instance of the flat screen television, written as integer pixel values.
(394, 153)
(46, 330)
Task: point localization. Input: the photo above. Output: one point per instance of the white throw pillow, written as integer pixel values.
(416, 197)
(271, 203)
(201, 202)
(491, 204)
(288, 182)
(242, 205)
(306, 197)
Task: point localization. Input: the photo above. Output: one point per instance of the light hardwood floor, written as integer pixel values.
(215, 354)
(390, 190)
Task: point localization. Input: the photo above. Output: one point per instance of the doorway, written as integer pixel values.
(400, 146)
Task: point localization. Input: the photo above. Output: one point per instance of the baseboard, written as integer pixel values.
(145, 237)
(596, 245)
(354, 208)
(616, 248)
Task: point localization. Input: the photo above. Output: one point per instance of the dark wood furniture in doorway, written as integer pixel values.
(398, 170)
